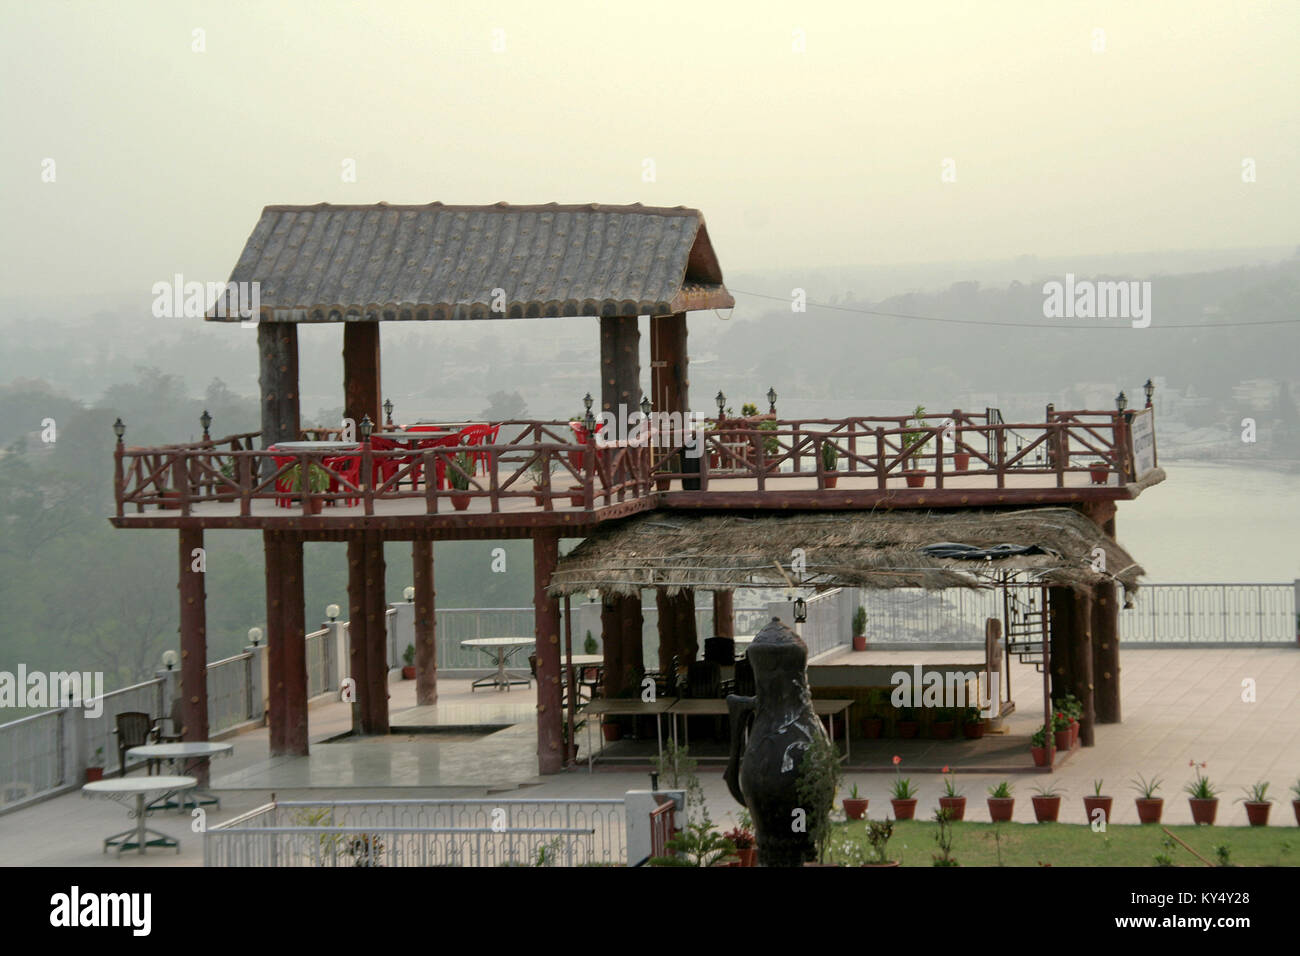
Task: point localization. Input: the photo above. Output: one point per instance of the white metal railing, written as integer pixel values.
(34, 755)
(1212, 614)
(422, 833)
(145, 697)
(320, 662)
(830, 620)
(229, 686)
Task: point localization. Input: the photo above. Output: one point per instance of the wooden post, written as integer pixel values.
(611, 642)
(546, 614)
(630, 624)
(724, 615)
(277, 346)
(677, 633)
(357, 660)
(1081, 667)
(669, 379)
(194, 643)
(1048, 742)
(620, 365)
(293, 656)
(375, 703)
(361, 373)
(1064, 634)
(1105, 651)
(426, 623)
(570, 678)
(275, 691)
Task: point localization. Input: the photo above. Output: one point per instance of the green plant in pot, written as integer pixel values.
(876, 708)
(95, 766)
(318, 481)
(1042, 746)
(540, 472)
(912, 471)
(1149, 806)
(941, 727)
(904, 799)
(771, 444)
(1257, 803)
(589, 646)
(830, 462)
(408, 662)
(1001, 802)
(860, 629)
(458, 477)
(905, 722)
(972, 724)
(1047, 803)
(855, 805)
(952, 799)
(1202, 796)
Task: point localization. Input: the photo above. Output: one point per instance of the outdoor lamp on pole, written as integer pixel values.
(366, 427)
(119, 430)
(169, 659)
(587, 401)
(205, 420)
(388, 412)
(771, 400)
(800, 610)
(722, 402)
(1150, 390)
(408, 592)
(332, 612)
(645, 406)
(1121, 401)
(255, 636)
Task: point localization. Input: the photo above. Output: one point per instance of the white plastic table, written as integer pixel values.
(504, 648)
(184, 751)
(122, 788)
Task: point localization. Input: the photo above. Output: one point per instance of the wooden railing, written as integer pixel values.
(544, 462)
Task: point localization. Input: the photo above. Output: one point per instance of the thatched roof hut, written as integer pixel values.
(1058, 547)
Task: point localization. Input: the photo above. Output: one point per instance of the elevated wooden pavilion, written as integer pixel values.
(363, 265)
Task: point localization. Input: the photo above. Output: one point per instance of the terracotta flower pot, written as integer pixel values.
(961, 460)
(1150, 810)
(1257, 813)
(1000, 808)
(942, 729)
(1043, 757)
(1092, 804)
(1204, 811)
(904, 809)
(539, 499)
(907, 729)
(831, 480)
(859, 642)
(956, 806)
(1047, 809)
(1062, 739)
(915, 479)
(872, 727)
(855, 809)
(94, 773)
(973, 730)
(460, 502)
(748, 857)
(408, 672)
(577, 498)
(314, 505)
(663, 484)
(612, 732)
(1099, 475)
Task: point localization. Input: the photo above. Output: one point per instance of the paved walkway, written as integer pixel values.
(1179, 705)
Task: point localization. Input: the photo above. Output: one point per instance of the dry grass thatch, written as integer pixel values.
(858, 549)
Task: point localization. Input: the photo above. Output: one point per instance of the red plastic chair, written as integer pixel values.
(387, 467)
(285, 497)
(479, 435)
(344, 466)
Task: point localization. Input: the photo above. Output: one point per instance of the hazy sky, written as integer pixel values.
(164, 156)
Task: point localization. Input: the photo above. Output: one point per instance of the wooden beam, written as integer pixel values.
(1061, 604)
(611, 643)
(376, 611)
(426, 624)
(620, 364)
(677, 632)
(277, 346)
(631, 622)
(194, 643)
(1105, 652)
(546, 615)
(1081, 667)
(669, 364)
(275, 692)
(293, 656)
(358, 661)
(724, 615)
(361, 382)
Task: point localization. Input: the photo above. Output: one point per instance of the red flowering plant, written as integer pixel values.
(1060, 721)
(741, 838)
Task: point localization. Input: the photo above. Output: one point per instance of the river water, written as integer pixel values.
(1215, 523)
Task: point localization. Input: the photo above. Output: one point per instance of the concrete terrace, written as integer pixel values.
(1179, 705)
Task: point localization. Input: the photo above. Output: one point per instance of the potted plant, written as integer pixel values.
(169, 499)
(458, 478)
(697, 844)
(855, 807)
(1257, 803)
(1295, 803)
(1001, 802)
(873, 723)
(952, 800)
(1097, 802)
(95, 766)
(915, 477)
(539, 472)
(1203, 796)
(972, 724)
(942, 726)
(1149, 806)
(904, 799)
(1099, 471)
(742, 838)
(589, 646)
(1047, 803)
(318, 480)
(830, 462)
(1061, 731)
(1040, 747)
(860, 629)
(408, 662)
(906, 723)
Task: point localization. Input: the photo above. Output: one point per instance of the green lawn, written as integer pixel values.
(1067, 844)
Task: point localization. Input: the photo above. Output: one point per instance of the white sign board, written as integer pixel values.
(1142, 432)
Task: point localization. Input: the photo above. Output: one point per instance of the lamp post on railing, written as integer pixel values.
(388, 413)
(206, 421)
(771, 400)
(119, 429)
(1150, 390)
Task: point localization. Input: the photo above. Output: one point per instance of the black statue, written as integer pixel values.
(782, 726)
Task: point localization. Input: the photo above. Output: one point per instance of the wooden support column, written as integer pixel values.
(277, 346)
(194, 643)
(275, 694)
(677, 633)
(361, 388)
(724, 614)
(631, 622)
(1081, 666)
(426, 634)
(293, 657)
(376, 611)
(669, 365)
(358, 662)
(1105, 651)
(1064, 630)
(546, 614)
(620, 364)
